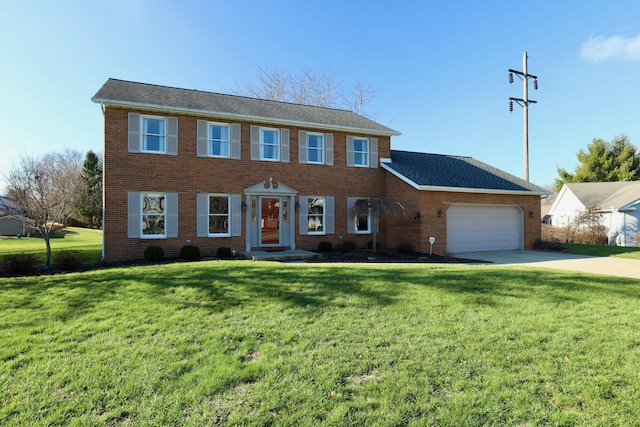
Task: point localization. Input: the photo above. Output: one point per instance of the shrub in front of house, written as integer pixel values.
(324, 246)
(348, 246)
(405, 248)
(68, 260)
(19, 264)
(154, 253)
(223, 252)
(190, 253)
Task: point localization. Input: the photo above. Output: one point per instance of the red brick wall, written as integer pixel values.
(415, 232)
(188, 175)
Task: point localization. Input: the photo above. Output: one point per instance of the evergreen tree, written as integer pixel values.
(604, 161)
(91, 201)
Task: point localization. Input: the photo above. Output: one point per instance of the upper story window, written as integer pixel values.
(153, 134)
(269, 144)
(360, 152)
(315, 147)
(218, 140)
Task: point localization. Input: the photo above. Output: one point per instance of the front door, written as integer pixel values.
(270, 221)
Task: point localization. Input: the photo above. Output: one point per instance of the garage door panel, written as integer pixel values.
(484, 228)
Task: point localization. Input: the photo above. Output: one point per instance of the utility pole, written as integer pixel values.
(524, 103)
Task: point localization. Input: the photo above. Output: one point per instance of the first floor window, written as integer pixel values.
(269, 144)
(218, 215)
(153, 215)
(360, 152)
(218, 140)
(153, 134)
(363, 216)
(315, 215)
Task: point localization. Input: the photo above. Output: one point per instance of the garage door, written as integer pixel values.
(472, 228)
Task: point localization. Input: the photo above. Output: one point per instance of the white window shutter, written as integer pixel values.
(303, 220)
(172, 136)
(284, 145)
(171, 215)
(202, 149)
(134, 133)
(351, 219)
(202, 209)
(234, 141)
(373, 147)
(302, 147)
(134, 206)
(350, 155)
(236, 215)
(329, 215)
(328, 151)
(255, 142)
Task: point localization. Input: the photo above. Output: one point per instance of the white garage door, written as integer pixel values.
(472, 228)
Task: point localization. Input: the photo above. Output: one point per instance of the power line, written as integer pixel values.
(524, 103)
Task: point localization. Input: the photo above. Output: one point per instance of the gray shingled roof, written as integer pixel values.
(428, 171)
(125, 93)
(606, 194)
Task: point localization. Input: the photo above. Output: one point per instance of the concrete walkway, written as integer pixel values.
(621, 267)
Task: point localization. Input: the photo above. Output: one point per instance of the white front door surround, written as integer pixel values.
(270, 221)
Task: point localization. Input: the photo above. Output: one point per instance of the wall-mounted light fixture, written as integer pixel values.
(440, 212)
(297, 206)
(530, 214)
(243, 206)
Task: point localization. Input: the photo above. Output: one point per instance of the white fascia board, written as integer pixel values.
(231, 116)
(459, 189)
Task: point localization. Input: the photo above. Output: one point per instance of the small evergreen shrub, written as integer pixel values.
(154, 253)
(68, 260)
(348, 246)
(548, 245)
(190, 253)
(223, 252)
(405, 248)
(324, 246)
(19, 264)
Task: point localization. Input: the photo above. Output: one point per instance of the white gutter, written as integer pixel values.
(419, 187)
(258, 119)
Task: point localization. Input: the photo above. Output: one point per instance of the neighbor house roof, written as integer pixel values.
(606, 195)
(426, 171)
(190, 101)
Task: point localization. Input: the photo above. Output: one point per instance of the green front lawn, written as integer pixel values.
(632, 252)
(86, 241)
(245, 343)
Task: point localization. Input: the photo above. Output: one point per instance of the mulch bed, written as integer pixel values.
(389, 257)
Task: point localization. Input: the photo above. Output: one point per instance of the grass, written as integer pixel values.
(242, 343)
(632, 252)
(86, 241)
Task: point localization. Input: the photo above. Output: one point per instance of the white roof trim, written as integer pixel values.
(458, 189)
(258, 119)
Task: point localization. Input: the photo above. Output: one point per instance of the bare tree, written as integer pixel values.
(45, 190)
(309, 87)
(377, 208)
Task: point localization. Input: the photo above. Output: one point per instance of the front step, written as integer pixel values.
(282, 256)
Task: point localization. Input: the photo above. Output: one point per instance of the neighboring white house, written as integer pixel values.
(618, 202)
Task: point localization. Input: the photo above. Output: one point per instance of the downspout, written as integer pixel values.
(103, 186)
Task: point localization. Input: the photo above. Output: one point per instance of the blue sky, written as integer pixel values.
(441, 67)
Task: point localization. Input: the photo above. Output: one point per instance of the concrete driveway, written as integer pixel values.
(611, 266)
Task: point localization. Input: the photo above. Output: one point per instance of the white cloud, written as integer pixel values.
(601, 48)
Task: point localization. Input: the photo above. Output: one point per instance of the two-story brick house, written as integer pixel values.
(190, 167)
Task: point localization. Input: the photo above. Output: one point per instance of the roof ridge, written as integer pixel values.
(235, 96)
(433, 154)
